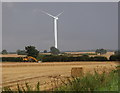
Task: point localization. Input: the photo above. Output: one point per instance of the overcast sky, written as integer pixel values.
(81, 26)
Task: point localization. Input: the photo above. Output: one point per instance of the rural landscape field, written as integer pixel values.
(48, 73)
(14, 73)
(59, 47)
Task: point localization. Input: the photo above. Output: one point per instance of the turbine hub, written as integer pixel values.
(56, 18)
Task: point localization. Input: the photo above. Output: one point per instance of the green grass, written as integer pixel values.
(96, 82)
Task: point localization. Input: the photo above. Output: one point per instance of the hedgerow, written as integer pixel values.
(61, 58)
(11, 59)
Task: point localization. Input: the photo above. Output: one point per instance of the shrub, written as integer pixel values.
(91, 83)
(115, 57)
(54, 50)
(21, 52)
(4, 52)
(84, 58)
(12, 59)
(99, 58)
(61, 58)
(101, 51)
(45, 51)
(117, 52)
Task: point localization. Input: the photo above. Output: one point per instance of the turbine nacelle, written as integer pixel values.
(56, 18)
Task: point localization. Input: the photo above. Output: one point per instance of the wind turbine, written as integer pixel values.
(55, 26)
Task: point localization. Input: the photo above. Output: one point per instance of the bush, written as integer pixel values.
(12, 59)
(101, 51)
(61, 58)
(99, 58)
(90, 83)
(4, 52)
(53, 58)
(117, 52)
(54, 51)
(21, 52)
(115, 57)
(45, 51)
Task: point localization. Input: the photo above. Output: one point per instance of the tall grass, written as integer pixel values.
(96, 82)
(89, 82)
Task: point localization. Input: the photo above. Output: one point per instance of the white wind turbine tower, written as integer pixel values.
(55, 26)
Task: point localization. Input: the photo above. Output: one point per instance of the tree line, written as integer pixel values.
(32, 51)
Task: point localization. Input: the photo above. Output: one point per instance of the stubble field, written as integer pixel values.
(14, 73)
(45, 73)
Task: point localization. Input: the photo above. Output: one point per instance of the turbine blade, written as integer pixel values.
(59, 14)
(48, 14)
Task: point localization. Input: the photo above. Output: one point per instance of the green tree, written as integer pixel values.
(54, 50)
(4, 52)
(117, 52)
(101, 51)
(115, 57)
(21, 52)
(32, 51)
(45, 51)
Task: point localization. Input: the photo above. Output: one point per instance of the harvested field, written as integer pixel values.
(72, 53)
(78, 52)
(12, 55)
(13, 73)
(108, 54)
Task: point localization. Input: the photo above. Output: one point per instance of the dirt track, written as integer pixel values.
(13, 73)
